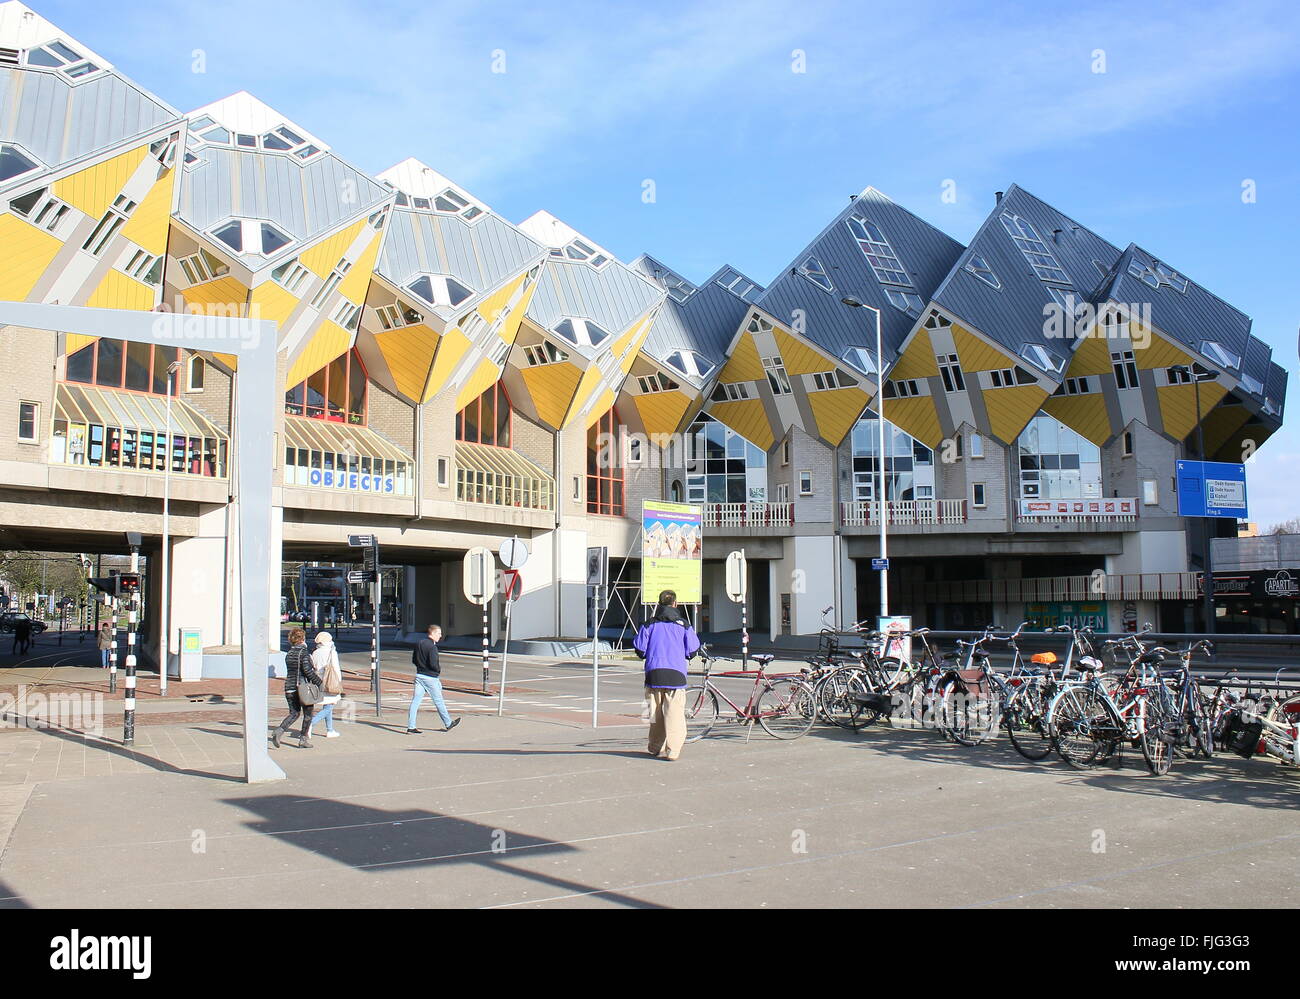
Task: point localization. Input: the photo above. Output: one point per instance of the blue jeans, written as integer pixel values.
(326, 712)
(432, 686)
(103, 658)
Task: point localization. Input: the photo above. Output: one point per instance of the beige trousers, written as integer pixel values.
(667, 722)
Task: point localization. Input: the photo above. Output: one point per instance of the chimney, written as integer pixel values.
(997, 195)
(1056, 235)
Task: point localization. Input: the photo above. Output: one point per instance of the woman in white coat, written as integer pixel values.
(325, 661)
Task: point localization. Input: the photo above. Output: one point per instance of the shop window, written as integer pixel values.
(139, 367)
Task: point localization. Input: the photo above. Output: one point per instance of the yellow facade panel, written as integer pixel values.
(590, 382)
(747, 418)
(25, 254)
(270, 301)
(356, 282)
(227, 291)
(744, 365)
(918, 417)
(149, 225)
(1178, 406)
(117, 291)
(836, 411)
(322, 258)
(551, 388)
(490, 308)
(1091, 357)
(1220, 426)
(409, 354)
(1011, 409)
(93, 189)
(601, 406)
(977, 355)
(329, 341)
(451, 349)
(662, 412)
(1084, 414)
(798, 357)
(1158, 353)
(918, 360)
(484, 376)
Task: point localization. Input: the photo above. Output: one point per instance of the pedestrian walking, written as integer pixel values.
(105, 641)
(22, 637)
(666, 644)
(298, 669)
(428, 680)
(325, 661)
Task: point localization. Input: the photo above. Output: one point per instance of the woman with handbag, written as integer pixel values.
(302, 689)
(325, 660)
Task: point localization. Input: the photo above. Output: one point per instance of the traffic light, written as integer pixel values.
(128, 583)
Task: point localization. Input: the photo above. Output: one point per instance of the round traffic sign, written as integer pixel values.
(514, 553)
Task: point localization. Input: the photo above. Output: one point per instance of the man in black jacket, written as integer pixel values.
(428, 680)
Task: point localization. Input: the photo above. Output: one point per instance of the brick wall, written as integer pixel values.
(215, 398)
(391, 417)
(29, 377)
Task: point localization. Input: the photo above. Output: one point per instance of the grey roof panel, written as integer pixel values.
(1013, 315)
(613, 296)
(706, 323)
(480, 255)
(925, 252)
(62, 123)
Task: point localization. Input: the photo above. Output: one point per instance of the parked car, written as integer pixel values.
(8, 618)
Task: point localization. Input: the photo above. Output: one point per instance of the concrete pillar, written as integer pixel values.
(422, 594)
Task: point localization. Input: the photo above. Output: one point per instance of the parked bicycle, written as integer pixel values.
(784, 705)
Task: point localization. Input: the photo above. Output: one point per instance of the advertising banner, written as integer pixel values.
(1078, 508)
(1076, 613)
(323, 583)
(672, 551)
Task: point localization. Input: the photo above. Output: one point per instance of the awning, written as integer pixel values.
(497, 460)
(340, 438)
(91, 404)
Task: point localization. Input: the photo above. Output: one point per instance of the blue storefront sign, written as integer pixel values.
(1211, 489)
(357, 481)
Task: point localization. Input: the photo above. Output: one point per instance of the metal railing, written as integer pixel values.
(864, 513)
(1098, 586)
(749, 515)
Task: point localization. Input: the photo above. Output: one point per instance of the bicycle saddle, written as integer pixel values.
(762, 658)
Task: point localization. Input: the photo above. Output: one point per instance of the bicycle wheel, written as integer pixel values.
(787, 709)
(1081, 727)
(701, 712)
(1025, 720)
(836, 697)
(1202, 727)
(969, 716)
(1158, 731)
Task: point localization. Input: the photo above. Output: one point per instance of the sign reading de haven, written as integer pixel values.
(672, 551)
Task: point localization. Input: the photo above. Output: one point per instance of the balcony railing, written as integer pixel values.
(866, 513)
(1077, 511)
(749, 515)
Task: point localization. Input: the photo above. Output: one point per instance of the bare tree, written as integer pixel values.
(1291, 526)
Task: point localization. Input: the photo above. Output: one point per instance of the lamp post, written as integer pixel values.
(880, 458)
(165, 649)
(1207, 583)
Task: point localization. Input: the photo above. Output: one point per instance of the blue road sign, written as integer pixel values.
(1211, 489)
(879, 564)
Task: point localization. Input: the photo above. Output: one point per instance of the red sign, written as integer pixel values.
(1079, 508)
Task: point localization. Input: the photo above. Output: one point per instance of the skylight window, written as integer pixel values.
(737, 283)
(252, 236)
(449, 202)
(58, 56)
(678, 288)
(688, 362)
(1158, 275)
(581, 332)
(813, 270)
(905, 301)
(14, 163)
(1219, 354)
(438, 289)
(1039, 357)
(1252, 384)
(861, 359)
(976, 265)
(884, 262)
(582, 252)
(1040, 258)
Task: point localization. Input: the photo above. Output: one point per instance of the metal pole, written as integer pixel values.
(132, 618)
(165, 617)
(505, 656)
(99, 572)
(595, 655)
(374, 638)
(112, 649)
(486, 604)
(1208, 579)
(884, 515)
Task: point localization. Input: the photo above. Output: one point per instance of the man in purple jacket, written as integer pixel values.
(666, 643)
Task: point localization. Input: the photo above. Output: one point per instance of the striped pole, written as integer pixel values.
(112, 650)
(485, 646)
(132, 617)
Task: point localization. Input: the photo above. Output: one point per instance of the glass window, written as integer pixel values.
(14, 163)
(1056, 462)
(909, 464)
(487, 419)
(232, 234)
(108, 364)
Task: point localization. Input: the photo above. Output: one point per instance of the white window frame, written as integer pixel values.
(979, 489)
(109, 225)
(976, 449)
(805, 475)
(35, 438)
(950, 373)
(1126, 444)
(195, 360)
(443, 466)
(1150, 492)
(777, 378)
(785, 452)
(293, 275)
(783, 492)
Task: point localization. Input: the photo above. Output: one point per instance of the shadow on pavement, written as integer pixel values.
(375, 839)
(8, 900)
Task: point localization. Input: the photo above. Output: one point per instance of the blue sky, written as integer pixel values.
(749, 158)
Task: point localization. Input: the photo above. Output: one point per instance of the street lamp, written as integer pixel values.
(880, 420)
(1207, 584)
(166, 609)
